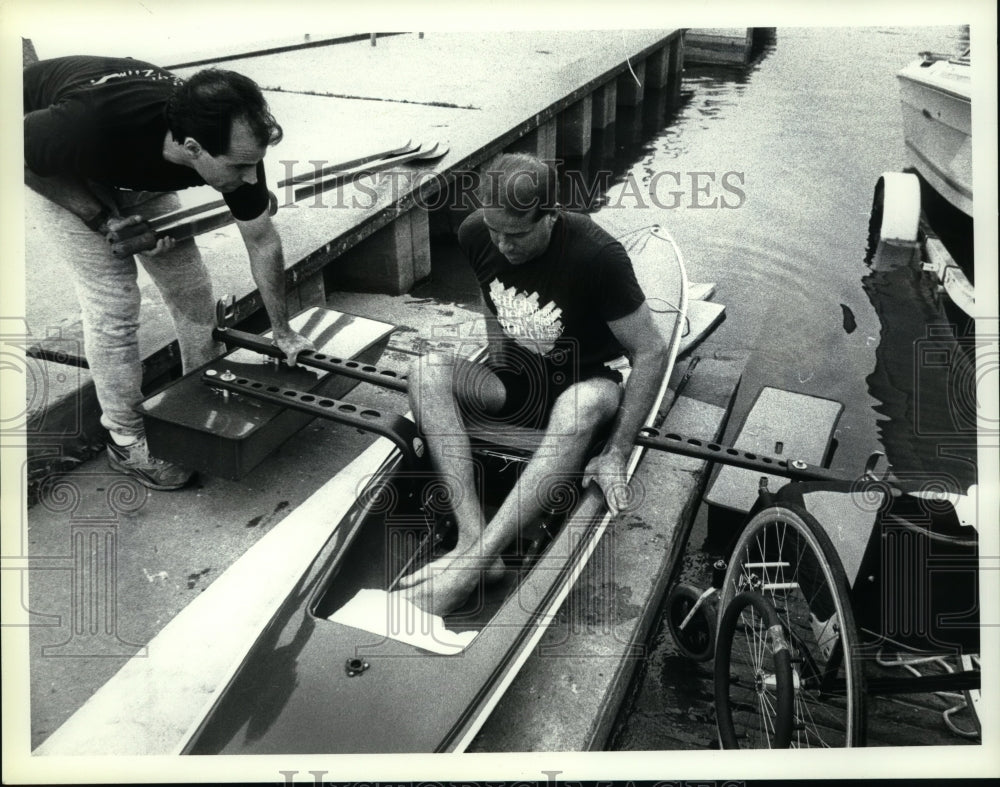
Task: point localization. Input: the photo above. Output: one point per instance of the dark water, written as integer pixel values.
(810, 126)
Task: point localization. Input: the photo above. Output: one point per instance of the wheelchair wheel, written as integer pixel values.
(754, 690)
(785, 555)
(696, 640)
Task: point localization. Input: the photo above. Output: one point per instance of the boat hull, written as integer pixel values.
(937, 127)
(295, 694)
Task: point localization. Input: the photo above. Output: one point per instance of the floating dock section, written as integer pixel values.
(732, 46)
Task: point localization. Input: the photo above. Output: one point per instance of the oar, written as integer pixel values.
(125, 243)
(170, 218)
(177, 215)
(343, 178)
(330, 169)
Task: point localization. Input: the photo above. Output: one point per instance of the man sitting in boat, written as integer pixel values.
(562, 300)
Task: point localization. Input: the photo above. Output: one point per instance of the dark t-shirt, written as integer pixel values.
(564, 298)
(102, 118)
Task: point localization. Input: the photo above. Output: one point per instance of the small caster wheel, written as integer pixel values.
(691, 618)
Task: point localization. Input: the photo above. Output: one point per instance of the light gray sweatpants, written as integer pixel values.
(108, 292)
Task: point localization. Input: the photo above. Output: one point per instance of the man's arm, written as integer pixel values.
(648, 352)
(267, 265)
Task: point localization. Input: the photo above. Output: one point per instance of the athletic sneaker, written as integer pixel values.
(134, 460)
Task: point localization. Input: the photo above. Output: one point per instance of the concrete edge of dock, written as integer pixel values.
(725, 46)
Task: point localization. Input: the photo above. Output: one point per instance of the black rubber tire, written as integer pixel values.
(697, 640)
(763, 655)
(809, 591)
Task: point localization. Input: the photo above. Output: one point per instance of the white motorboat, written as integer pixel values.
(937, 123)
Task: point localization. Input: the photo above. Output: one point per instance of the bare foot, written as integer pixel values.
(467, 559)
(426, 571)
(443, 585)
(443, 592)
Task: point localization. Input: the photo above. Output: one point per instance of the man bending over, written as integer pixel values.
(108, 141)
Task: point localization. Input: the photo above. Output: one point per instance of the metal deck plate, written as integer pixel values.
(783, 424)
(189, 423)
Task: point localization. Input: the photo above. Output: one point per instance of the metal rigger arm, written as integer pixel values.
(402, 431)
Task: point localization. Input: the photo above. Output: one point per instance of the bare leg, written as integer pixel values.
(575, 418)
(438, 384)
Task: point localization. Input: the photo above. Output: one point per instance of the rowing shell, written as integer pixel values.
(346, 667)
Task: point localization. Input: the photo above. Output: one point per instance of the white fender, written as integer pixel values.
(900, 193)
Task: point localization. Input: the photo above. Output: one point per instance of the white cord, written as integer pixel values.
(628, 62)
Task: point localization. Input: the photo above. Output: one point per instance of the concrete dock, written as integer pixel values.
(725, 46)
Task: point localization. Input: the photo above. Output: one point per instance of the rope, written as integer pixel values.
(628, 62)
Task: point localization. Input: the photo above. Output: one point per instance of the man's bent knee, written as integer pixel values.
(435, 370)
(587, 405)
(447, 376)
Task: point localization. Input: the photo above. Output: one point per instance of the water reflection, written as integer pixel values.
(765, 40)
(924, 378)
(614, 150)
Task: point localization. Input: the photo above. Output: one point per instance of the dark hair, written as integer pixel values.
(205, 106)
(520, 184)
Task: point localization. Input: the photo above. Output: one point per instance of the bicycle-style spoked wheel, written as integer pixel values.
(754, 690)
(785, 555)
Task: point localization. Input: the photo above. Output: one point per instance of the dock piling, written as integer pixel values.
(391, 260)
(540, 142)
(604, 101)
(631, 84)
(658, 68)
(574, 133)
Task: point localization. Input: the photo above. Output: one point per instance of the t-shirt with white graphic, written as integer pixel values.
(562, 300)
